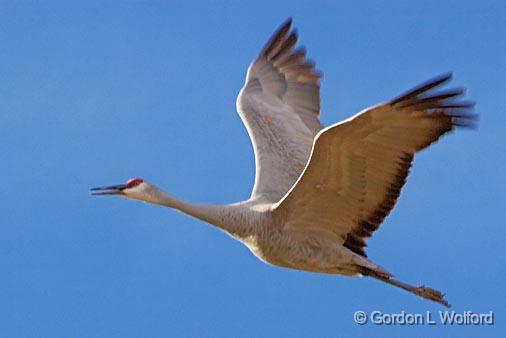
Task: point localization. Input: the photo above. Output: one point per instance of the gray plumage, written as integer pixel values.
(319, 193)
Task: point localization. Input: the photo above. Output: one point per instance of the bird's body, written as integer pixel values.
(319, 192)
(265, 233)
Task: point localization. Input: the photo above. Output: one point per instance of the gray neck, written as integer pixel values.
(230, 218)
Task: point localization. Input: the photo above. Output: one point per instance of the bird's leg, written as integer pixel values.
(421, 291)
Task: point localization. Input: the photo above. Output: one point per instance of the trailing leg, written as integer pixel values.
(421, 291)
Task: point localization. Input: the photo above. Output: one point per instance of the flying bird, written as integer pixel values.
(320, 192)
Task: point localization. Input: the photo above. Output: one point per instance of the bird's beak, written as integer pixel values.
(110, 190)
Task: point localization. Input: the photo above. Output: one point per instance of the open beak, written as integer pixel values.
(110, 190)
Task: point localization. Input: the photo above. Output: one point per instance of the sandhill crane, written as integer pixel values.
(319, 192)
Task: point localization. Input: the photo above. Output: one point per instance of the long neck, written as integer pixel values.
(231, 218)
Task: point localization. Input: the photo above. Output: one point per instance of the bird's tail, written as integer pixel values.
(421, 291)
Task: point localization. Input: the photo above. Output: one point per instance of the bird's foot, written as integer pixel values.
(431, 294)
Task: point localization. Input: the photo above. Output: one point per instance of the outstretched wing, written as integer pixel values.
(279, 105)
(358, 167)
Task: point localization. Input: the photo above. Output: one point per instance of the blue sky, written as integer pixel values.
(94, 94)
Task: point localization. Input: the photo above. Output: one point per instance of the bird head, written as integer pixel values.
(135, 188)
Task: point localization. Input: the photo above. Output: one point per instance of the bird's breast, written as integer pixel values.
(278, 247)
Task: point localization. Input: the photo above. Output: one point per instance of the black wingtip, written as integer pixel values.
(278, 36)
(439, 79)
(288, 21)
(424, 87)
(443, 77)
(285, 26)
(467, 121)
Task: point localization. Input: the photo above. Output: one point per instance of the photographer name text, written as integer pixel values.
(428, 318)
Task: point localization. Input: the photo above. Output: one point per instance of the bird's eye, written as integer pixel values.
(133, 182)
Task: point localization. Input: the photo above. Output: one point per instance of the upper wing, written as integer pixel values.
(279, 105)
(358, 167)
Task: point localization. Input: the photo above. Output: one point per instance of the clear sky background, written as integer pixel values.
(93, 94)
